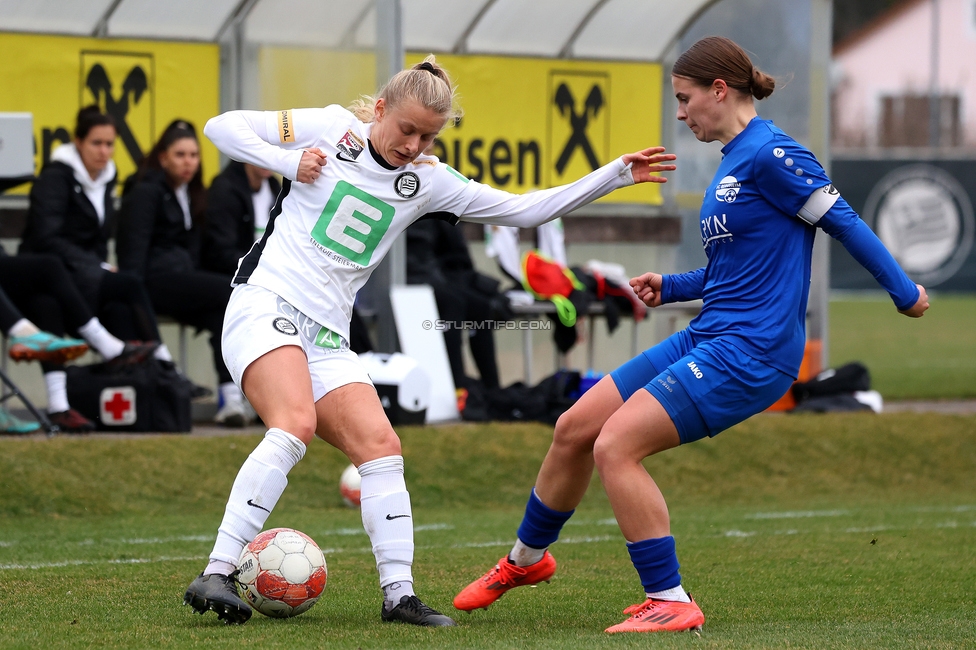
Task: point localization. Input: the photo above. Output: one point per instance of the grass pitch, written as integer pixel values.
(838, 531)
(933, 357)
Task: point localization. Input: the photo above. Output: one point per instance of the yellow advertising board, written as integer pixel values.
(529, 123)
(144, 85)
(535, 123)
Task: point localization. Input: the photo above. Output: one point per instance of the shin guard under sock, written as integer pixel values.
(539, 529)
(259, 484)
(388, 518)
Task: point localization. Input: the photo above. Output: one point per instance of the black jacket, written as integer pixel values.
(437, 251)
(62, 221)
(229, 231)
(152, 238)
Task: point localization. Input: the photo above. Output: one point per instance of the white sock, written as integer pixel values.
(101, 339)
(231, 394)
(523, 555)
(57, 391)
(23, 327)
(162, 353)
(221, 567)
(393, 592)
(259, 484)
(387, 517)
(674, 593)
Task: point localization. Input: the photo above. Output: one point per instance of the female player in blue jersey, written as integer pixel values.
(741, 353)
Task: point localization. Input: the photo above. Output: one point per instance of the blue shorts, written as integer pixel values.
(705, 388)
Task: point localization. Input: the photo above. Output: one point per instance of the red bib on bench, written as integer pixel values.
(548, 280)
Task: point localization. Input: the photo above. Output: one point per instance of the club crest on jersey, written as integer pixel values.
(407, 184)
(285, 326)
(728, 189)
(350, 145)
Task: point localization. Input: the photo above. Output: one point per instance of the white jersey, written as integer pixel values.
(326, 237)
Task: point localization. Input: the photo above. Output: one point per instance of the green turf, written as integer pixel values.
(933, 357)
(840, 531)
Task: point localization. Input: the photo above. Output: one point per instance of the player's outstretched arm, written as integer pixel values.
(484, 204)
(646, 164)
(918, 309)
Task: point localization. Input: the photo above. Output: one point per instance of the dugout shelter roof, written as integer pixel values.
(637, 30)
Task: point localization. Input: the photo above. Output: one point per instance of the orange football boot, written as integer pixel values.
(661, 616)
(493, 585)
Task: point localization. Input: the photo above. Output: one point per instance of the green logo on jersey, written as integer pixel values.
(353, 223)
(328, 339)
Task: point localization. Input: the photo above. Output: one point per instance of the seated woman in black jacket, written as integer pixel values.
(239, 204)
(71, 216)
(159, 240)
(37, 287)
(437, 255)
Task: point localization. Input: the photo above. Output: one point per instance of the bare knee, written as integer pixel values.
(574, 434)
(296, 418)
(382, 441)
(299, 424)
(608, 453)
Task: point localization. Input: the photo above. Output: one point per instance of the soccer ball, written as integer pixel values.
(283, 573)
(349, 484)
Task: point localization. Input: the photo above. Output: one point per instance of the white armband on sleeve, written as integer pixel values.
(819, 203)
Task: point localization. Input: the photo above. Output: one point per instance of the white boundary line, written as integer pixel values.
(731, 533)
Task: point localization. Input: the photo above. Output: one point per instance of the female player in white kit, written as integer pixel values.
(351, 187)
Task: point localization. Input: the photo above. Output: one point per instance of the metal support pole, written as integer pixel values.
(934, 103)
(230, 35)
(820, 43)
(393, 270)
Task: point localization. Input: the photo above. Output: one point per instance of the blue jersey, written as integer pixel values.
(758, 220)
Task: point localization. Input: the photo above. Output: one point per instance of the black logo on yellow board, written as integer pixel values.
(578, 123)
(123, 86)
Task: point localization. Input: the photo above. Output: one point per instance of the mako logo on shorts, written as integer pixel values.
(407, 184)
(352, 223)
(728, 189)
(579, 121)
(121, 83)
(285, 326)
(694, 370)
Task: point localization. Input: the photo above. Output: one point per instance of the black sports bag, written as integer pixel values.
(147, 396)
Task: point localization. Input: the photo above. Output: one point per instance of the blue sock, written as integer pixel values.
(541, 524)
(656, 563)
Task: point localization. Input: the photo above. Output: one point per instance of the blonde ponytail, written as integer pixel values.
(427, 83)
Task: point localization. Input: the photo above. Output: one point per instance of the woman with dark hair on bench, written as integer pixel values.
(159, 240)
(71, 217)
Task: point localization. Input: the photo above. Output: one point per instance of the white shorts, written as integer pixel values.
(258, 321)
